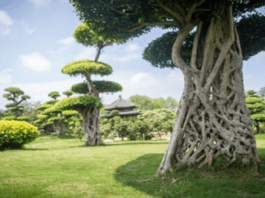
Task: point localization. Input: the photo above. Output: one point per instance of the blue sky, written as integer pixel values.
(36, 39)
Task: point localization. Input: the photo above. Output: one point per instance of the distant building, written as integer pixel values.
(124, 107)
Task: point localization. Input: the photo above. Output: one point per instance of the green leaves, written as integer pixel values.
(101, 86)
(87, 66)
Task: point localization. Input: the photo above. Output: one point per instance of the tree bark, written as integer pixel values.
(91, 125)
(58, 127)
(207, 127)
(257, 126)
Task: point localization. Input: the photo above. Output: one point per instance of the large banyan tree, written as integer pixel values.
(209, 41)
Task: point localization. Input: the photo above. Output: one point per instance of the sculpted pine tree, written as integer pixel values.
(86, 35)
(256, 104)
(211, 61)
(17, 96)
(68, 93)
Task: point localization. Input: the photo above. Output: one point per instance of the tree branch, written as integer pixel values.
(192, 10)
(117, 10)
(175, 14)
(154, 24)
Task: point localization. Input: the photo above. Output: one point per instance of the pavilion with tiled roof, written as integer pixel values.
(124, 107)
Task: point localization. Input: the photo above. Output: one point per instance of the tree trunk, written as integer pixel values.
(257, 126)
(207, 127)
(58, 127)
(47, 130)
(91, 125)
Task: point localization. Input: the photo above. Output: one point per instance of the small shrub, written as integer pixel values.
(105, 129)
(114, 112)
(14, 134)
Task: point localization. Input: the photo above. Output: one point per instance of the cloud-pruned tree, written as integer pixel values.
(16, 95)
(256, 105)
(68, 93)
(209, 41)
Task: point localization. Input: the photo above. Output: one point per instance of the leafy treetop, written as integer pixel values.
(100, 86)
(78, 103)
(68, 93)
(130, 19)
(54, 95)
(86, 67)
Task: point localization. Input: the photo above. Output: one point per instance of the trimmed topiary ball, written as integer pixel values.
(14, 134)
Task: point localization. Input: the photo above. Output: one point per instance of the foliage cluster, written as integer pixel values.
(101, 86)
(14, 134)
(86, 66)
(159, 120)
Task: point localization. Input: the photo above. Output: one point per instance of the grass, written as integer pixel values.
(62, 167)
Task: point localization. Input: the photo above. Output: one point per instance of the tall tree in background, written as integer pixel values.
(211, 61)
(262, 92)
(16, 95)
(144, 102)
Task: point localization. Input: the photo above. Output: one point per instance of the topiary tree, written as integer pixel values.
(208, 43)
(54, 94)
(256, 105)
(87, 35)
(87, 105)
(42, 121)
(14, 95)
(68, 93)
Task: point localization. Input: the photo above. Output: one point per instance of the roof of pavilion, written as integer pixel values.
(121, 113)
(120, 104)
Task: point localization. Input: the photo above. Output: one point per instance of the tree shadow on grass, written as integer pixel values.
(203, 183)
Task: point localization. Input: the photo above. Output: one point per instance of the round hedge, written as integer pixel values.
(101, 86)
(70, 113)
(78, 102)
(14, 134)
(86, 66)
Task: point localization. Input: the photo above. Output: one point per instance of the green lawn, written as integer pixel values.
(62, 167)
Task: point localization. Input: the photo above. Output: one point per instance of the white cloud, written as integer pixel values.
(7, 70)
(127, 57)
(40, 2)
(132, 47)
(67, 41)
(35, 62)
(26, 27)
(5, 23)
(151, 85)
